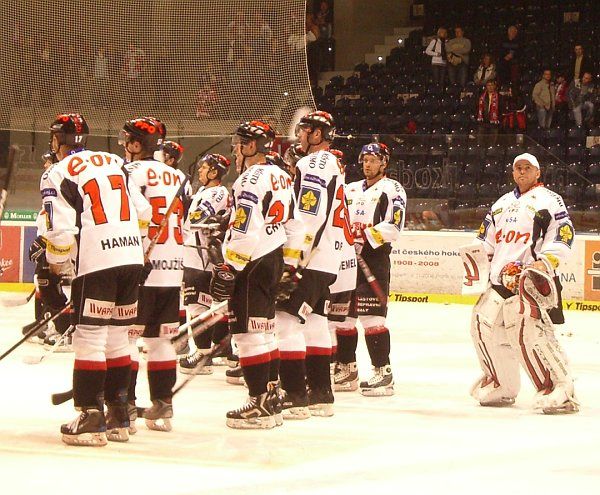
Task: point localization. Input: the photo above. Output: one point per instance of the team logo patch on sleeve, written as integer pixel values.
(242, 218)
(565, 234)
(397, 216)
(309, 200)
(483, 228)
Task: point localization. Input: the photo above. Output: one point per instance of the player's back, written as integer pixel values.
(85, 195)
(160, 184)
(322, 205)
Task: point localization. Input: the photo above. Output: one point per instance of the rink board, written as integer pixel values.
(426, 267)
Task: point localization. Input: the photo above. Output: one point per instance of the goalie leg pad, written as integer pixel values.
(501, 382)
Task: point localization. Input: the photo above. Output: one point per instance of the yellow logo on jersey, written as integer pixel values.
(309, 200)
(565, 234)
(398, 217)
(242, 218)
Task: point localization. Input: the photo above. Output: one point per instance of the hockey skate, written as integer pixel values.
(345, 378)
(275, 396)
(557, 401)
(87, 429)
(488, 394)
(117, 422)
(255, 414)
(158, 417)
(197, 363)
(320, 402)
(380, 384)
(43, 333)
(294, 405)
(221, 357)
(133, 415)
(235, 376)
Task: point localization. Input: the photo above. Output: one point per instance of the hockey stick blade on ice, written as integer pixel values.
(38, 359)
(17, 301)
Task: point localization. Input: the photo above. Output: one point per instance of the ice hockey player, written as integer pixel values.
(291, 157)
(172, 152)
(211, 205)
(301, 321)
(527, 235)
(158, 309)
(92, 219)
(255, 248)
(377, 206)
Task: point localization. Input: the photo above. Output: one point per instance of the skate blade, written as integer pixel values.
(294, 413)
(232, 363)
(377, 391)
(506, 402)
(264, 423)
(118, 435)
(160, 424)
(234, 380)
(346, 386)
(220, 361)
(569, 408)
(204, 370)
(86, 439)
(321, 410)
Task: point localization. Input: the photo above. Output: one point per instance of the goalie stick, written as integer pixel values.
(36, 328)
(373, 282)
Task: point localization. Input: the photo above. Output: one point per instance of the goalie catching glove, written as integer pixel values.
(222, 282)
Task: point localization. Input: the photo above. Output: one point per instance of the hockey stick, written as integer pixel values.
(52, 350)
(373, 282)
(17, 301)
(36, 328)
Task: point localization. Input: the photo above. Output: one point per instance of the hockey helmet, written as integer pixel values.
(71, 129)
(274, 158)
(293, 154)
(321, 120)
(148, 131)
(378, 149)
(255, 130)
(173, 149)
(216, 162)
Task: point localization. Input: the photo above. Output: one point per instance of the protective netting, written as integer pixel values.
(201, 66)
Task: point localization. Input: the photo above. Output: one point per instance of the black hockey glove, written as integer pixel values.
(215, 253)
(146, 269)
(37, 250)
(50, 289)
(222, 282)
(288, 283)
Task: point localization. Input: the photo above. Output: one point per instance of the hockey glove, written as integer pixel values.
(37, 250)
(214, 251)
(222, 282)
(146, 269)
(288, 283)
(50, 289)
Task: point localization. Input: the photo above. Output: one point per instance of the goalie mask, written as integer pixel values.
(70, 129)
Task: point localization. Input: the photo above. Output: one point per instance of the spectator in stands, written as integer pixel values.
(486, 70)
(514, 118)
(260, 35)
(324, 19)
(561, 101)
(580, 64)
(133, 69)
(312, 48)
(489, 109)
(458, 50)
(509, 62)
(580, 100)
(544, 93)
(47, 63)
(437, 51)
(237, 36)
(101, 74)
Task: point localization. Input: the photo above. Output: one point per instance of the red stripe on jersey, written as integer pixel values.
(252, 360)
(161, 365)
(346, 331)
(118, 362)
(81, 364)
(318, 351)
(275, 354)
(375, 330)
(333, 349)
(291, 355)
(135, 365)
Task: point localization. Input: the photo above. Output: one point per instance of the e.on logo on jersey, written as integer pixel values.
(77, 164)
(512, 236)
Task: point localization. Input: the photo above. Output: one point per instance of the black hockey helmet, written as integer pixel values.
(293, 154)
(216, 162)
(255, 130)
(378, 149)
(274, 158)
(321, 120)
(173, 149)
(71, 129)
(148, 131)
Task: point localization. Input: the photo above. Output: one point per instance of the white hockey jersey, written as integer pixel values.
(319, 186)
(262, 218)
(380, 209)
(206, 202)
(89, 213)
(159, 184)
(526, 227)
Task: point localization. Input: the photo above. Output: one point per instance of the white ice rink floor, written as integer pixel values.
(430, 437)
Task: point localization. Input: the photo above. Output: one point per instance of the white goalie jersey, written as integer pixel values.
(159, 184)
(262, 218)
(205, 203)
(90, 215)
(526, 227)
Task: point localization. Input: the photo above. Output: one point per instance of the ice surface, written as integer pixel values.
(430, 437)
